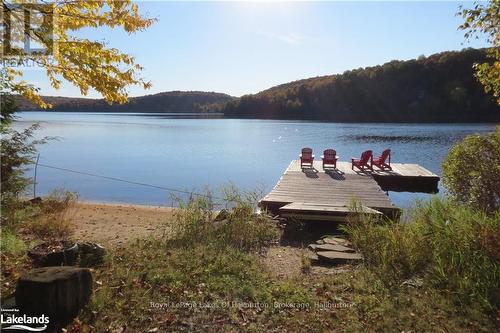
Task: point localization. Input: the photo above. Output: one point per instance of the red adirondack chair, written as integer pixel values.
(306, 157)
(383, 162)
(363, 163)
(330, 158)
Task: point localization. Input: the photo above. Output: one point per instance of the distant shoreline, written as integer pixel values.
(220, 115)
(129, 112)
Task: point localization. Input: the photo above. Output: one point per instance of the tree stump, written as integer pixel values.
(58, 292)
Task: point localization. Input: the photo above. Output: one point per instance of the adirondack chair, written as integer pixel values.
(383, 162)
(363, 163)
(306, 157)
(330, 158)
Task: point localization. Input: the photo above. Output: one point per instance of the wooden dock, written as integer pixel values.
(314, 193)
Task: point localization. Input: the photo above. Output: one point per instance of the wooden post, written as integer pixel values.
(34, 182)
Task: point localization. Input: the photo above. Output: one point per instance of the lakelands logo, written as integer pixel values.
(11, 321)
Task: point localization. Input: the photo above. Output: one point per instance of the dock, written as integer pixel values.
(317, 194)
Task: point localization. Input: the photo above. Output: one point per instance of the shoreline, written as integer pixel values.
(123, 204)
(218, 115)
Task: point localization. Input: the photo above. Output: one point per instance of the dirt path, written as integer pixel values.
(111, 224)
(290, 262)
(284, 261)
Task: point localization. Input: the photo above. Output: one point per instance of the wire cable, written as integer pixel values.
(127, 181)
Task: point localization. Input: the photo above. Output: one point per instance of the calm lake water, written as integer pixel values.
(190, 154)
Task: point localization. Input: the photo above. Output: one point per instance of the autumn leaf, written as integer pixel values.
(85, 63)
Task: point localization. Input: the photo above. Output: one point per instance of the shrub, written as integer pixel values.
(464, 243)
(18, 150)
(396, 251)
(237, 226)
(52, 218)
(452, 247)
(471, 171)
(10, 243)
(13, 260)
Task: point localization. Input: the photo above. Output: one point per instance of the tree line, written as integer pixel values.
(438, 88)
(172, 101)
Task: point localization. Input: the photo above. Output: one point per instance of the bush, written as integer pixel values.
(452, 247)
(465, 250)
(396, 251)
(18, 150)
(10, 243)
(52, 219)
(471, 171)
(237, 226)
(13, 260)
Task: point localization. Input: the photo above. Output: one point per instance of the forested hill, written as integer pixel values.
(172, 101)
(438, 88)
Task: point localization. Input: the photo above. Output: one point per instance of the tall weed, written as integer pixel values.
(53, 217)
(236, 226)
(453, 247)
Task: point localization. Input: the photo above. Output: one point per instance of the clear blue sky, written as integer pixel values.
(241, 48)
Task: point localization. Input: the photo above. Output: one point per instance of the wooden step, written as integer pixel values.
(337, 258)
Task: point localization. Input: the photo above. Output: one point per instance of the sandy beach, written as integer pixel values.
(117, 223)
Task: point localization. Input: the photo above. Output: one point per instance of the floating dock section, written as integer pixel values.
(318, 194)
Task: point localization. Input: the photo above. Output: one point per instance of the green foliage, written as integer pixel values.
(10, 243)
(147, 286)
(238, 227)
(13, 258)
(187, 279)
(484, 19)
(29, 224)
(18, 150)
(7, 109)
(452, 247)
(471, 171)
(379, 308)
(196, 280)
(7, 103)
(438, 88)
(397, 251)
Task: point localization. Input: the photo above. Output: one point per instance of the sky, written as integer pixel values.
(245, 47)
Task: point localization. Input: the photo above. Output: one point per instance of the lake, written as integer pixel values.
(186, 153)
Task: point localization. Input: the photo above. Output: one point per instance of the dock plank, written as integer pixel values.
(332, 190)
(318, 207)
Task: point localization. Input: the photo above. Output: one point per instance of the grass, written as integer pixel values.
(451, 247)
(207, 277)
(51, 218)
(239, 228)
(32, 224)
(133, 294)
(13, 259)
(146, 287)
(10, 243)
